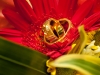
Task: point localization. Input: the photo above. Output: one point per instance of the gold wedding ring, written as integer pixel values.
(54, 29)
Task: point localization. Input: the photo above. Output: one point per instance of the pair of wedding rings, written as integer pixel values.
(54, 30)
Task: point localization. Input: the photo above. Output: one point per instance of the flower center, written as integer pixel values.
(55, 30)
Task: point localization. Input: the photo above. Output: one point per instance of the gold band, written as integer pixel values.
(54, 29)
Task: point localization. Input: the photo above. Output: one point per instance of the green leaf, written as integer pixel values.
(87, 65)
(80, 42)
(83, 38)
(19, 60)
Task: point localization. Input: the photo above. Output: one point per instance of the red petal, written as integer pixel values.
(95, 27)
(66, 8)
(54, 54)
(14, 39)
(15, 19)
(71, 9)
(49, 5)
(52, 4)
(80, 2)
(89, 22)
(62, 6)
(11, 32)
(97, 6)
(25, 10)
(82, 12)
(65, 49)
(38, 7)
(52, 46)
(57, 53)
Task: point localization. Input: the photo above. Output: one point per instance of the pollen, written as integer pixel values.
(94, 47)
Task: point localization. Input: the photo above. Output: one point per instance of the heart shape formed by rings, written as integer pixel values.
(55, 30)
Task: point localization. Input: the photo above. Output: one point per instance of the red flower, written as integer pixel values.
(29, 20)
